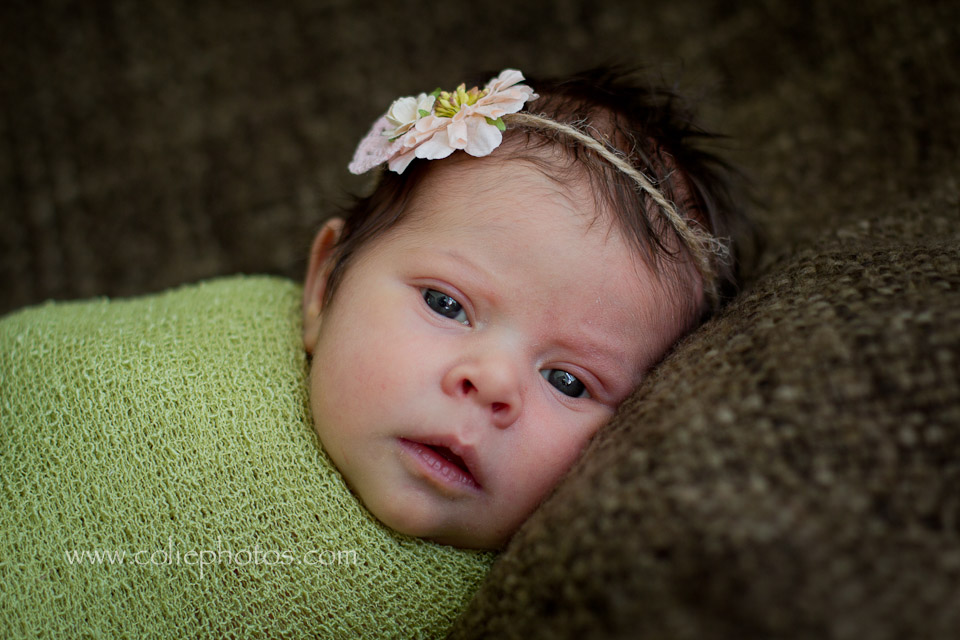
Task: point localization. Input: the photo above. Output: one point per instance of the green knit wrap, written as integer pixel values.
(171, 434)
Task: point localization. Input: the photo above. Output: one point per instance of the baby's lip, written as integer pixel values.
(466, 452)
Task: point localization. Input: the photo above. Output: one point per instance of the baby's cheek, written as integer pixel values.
(331, 407)
(340, 368)
(548, 455)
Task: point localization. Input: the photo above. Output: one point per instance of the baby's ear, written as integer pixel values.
(315, 283)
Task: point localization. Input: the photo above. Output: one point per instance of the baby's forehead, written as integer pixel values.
(524, 177)
(535, 179)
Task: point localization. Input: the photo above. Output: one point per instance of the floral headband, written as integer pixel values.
(432, 126)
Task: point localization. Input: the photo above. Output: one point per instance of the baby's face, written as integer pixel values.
(469, 354)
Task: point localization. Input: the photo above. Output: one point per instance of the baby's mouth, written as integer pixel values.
(444, 462)
(452, 457)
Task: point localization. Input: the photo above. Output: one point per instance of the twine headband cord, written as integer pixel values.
(432, 126)
(706, 249)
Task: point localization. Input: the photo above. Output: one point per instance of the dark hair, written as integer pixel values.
(644, 124)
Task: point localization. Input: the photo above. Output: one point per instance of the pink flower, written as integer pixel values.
(467, 120)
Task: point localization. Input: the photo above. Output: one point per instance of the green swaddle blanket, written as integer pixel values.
(161, 478)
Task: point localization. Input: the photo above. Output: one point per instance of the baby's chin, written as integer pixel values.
(416, 519)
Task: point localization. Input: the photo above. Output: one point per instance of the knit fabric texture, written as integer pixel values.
(171, 435)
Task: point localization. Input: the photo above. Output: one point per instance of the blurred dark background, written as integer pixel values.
(146, 144)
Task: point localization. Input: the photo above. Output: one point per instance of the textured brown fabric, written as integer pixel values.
(792, 470)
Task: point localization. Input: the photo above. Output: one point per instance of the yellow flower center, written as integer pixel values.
(449, 103)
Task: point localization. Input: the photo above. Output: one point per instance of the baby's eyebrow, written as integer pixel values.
(482, 277)
(462, 258)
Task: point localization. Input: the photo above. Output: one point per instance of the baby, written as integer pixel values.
(526, 258)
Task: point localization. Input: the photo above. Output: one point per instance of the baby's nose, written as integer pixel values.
(492, 381)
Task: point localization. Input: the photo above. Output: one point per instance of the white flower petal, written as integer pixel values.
(499, 106)
(405, 112)
(400, 161)
(425, 102)
(402, 111)
(457, 133)
(435, 148)
(424, 129)
(484, 138)
(507, 78)
(504, 101)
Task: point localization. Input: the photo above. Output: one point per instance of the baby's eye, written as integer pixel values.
(445, 305)
(565, 382)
